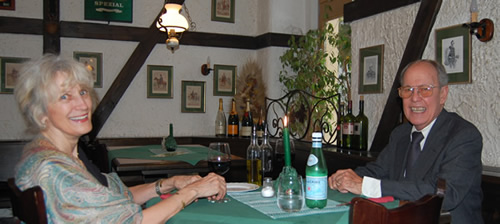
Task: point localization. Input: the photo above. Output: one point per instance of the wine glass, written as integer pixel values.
(290, 193)
(219, 161)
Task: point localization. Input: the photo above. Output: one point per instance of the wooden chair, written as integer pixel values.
(425, 210)
(28, 206)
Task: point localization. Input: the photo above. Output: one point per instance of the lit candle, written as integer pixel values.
(473, 11)
(286, 142)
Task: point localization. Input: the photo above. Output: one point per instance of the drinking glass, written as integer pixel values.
(219, 161)
(290, 195)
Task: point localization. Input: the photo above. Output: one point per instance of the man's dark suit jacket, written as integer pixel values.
(452, 151)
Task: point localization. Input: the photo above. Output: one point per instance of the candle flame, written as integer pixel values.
(285, 121)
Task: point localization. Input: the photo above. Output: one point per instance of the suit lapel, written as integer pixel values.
(401, 153)
(433, 145)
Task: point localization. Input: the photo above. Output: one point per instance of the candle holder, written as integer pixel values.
(483, 29)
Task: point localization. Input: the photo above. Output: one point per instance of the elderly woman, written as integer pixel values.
(56, 98)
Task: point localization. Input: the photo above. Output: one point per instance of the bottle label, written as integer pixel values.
(220, 130)
(357, 129)
(316, 187)
(312, 160)
(232, 129)
(348, 129)
(246, 131)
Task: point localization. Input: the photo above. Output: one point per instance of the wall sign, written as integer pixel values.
(109, 10)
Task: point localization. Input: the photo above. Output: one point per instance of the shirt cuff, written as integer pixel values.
(371, 187)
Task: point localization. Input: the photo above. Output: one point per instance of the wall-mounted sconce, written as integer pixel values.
(173, 23)
(483, 29)
(205, 68)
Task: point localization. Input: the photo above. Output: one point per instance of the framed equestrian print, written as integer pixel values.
(223, 11)
(453, 51)
(224, 80)
(10, 68)
(160, 81)
(93, 62)
(193, 97)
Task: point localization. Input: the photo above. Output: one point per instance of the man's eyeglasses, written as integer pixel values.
(423, 91)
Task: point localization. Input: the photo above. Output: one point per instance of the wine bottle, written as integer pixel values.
(316, 175)
(361, 127)
(247, 122)
(220, 121)
(267, 154)
(348, 127)
(340, 121)
(254, 162)
(233, 123)
(170, 142)
(260, 125)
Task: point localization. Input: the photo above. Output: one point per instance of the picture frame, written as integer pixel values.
(224, 80)
(223, 11)
(93, 62)
(453, 51)
(371, 69)
(193, 97)
(8, 4)
(10, 68)
(160, 81)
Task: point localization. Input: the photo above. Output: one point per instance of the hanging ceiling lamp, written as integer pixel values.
(173, 23)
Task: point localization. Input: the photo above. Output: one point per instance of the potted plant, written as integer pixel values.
(304, 67)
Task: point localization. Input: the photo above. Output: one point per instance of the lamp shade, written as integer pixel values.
(171, 19)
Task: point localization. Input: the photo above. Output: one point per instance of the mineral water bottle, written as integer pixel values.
(316, 175)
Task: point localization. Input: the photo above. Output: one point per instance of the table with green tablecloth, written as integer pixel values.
(238, 212)
(149, 162)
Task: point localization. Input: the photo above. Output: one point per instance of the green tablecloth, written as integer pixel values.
(189, 154)
(237, 212)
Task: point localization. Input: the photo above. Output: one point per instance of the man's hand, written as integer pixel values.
(346, 181)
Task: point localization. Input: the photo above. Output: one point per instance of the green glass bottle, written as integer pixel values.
(361, 127)
(316, 175)
(170, 142)
(340, 121)
(348, 127)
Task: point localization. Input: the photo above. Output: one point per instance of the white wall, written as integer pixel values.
(136, 115)
(476, 102)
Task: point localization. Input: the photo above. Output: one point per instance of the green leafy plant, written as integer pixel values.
(304, 66)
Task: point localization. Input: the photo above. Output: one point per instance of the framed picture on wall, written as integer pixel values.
(160, 81)
(453, 50)
(8, 4)
(371, 68)
(224, 80)
(93, 62)
(10, 68)
(193, 97)
(223, 11)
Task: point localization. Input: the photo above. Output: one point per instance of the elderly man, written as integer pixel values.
(434, 144)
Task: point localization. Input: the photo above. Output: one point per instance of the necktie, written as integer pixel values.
(416, 138)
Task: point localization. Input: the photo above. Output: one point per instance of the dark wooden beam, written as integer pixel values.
(414, 50)
(123, 80)
(127, 33)
(17, 25)
(51, 36)
(363, 8)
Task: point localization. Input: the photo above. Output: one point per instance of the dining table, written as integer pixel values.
(250, 208)
(147, 163)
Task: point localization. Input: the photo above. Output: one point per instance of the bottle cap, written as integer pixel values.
(316, 136)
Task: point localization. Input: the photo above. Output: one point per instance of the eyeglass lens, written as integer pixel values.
(423, 91)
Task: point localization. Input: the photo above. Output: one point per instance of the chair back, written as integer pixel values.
(425, 210)
(28, 206)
